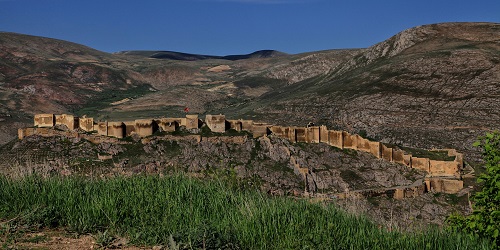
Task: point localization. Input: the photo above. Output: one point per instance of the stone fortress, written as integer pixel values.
(443, 176)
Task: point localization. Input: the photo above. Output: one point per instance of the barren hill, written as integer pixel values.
(429, 86)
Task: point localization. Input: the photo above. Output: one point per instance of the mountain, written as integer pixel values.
(194, 57)
(428, 86)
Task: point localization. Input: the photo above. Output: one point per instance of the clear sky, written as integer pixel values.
(222, 27)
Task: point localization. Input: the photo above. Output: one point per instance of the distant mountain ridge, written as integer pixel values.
(429, 86)
(180, 56)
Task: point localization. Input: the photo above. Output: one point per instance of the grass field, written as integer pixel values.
(198, 214)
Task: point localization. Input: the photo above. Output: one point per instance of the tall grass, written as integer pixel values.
(152, 210)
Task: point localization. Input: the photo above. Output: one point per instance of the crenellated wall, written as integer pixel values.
(449, 170)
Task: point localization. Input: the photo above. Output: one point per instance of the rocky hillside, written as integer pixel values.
(267, 163)
(429, 86)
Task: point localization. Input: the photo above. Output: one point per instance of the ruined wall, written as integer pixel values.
(398, 156)
(349, 140)
(216, 123)
(386, 153)
(86, 124)
(70, 121)
(116, 129)
(363, 144)
(129, 128)
(323, 134)
(444, 168)
(44, 120)
(168, 124)
(313, 134)
(260, 129)
(335, 138)
(448, 186)
(420, 163)
(192, 122)
(236, 125)
(301, 134)
(102, 128)
(144, 127)
(279, 131)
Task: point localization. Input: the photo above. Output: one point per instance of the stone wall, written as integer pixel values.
(44, 120)
(144, 127)
(441, 185)
(116, 129)
(70, 121)
(216, 123)
(86, 124)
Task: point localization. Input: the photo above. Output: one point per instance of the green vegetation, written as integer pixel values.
(423, 153)
(485, 219)
(192, 214)
(104, 99)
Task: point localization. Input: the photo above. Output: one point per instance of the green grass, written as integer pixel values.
(192, 213)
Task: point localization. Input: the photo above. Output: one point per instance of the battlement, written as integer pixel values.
(436, 169)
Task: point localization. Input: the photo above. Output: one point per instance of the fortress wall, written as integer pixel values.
(216, 123)
(313, 135)
(349, 141)
(375, 148)
(116, 129)
(448, 186)
(279, 131)
(129, 127)
(444, 168)
(259, 129)
(168, 124)
(21, 133)
(335, 138)
(323, 134)
(292, 134)
(398, 156)
(407, 160)
(246, 125)
(235, 124)
(386, 153)
(301, 134)
(420, 163)
(192, 122)
(363, 144)
(70, 121)
(44, 120)
(86, 124)
(182, 122)
(144, 127)
(102, 128)
(409, 192)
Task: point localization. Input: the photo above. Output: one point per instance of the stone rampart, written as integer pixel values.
(420, 163)
(336, 139)
(86, 124)
(349, 141)
(168, 124)
(44, 120)
(144, 127)
(218, 123)
(70, 121)
(116, 129)
(440, 185)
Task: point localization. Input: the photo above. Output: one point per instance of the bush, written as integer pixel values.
(485, 219)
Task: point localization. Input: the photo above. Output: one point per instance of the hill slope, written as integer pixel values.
(429, 86)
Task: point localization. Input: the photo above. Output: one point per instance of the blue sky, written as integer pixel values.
(222, 27)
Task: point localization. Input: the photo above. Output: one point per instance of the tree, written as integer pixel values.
(485, 218)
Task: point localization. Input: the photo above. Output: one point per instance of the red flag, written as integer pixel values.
(186, 109)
